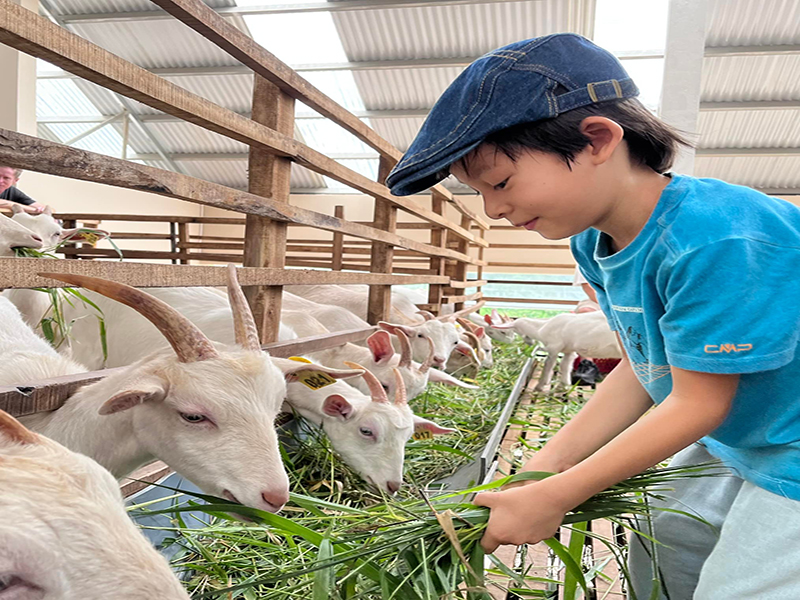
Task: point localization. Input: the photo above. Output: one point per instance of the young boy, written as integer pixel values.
(698, 277)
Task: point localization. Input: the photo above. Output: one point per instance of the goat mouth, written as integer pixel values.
(228, 496)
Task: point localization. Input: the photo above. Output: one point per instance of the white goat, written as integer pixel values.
(64, 532)
(506, 336)
(370, 432)
(354, 298)
(207, 413)
(443, 334)
(585, 334)
(52, 233)
(13, 235)
(480, 341)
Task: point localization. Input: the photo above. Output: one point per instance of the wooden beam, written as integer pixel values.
(244, 49)
(143, 477)
(35, 35)
(437, 264)
(42, 156)
(468, 284)
(338, 242)
(22, 273)
(461, 299)
(268, 176)
(379, 302)
(530, 300)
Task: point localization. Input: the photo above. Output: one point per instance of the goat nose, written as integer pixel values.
(438, 360)
(393, 486)
(36, 238)
(275, 499)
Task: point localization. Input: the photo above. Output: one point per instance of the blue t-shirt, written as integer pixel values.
(712, 284)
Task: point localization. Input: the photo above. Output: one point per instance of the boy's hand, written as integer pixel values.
(525, 515)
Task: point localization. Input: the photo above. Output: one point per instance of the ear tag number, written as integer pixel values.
(299, 359)
(315, 380)
(423, 434)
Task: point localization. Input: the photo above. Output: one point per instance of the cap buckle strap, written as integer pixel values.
(592, 93)
(617, 88)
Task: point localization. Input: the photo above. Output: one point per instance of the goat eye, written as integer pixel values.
(365, 431)
(193, 418)
(420, 335)
(384, 386)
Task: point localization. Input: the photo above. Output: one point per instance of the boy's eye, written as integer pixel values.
(502, 184)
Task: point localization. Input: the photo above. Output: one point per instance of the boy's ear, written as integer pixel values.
(604, 137)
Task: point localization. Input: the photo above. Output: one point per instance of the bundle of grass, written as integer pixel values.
(413, 549)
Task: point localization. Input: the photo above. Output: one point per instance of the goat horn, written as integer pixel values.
(244, 325)
(405, 350)
(427, 315)
(429, 359)
(375, 387)
(400, 395)
(469, 326)
(189, 343)
(476, 342)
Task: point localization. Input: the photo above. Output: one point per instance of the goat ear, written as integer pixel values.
(437, 376)
(14, 431)
(16, 209)
(337, 406)
(506, 325)
(130, 398)
(381, 346)
(392, 328)
(290, 369)
(479, 332)
(86, 235)
(421, 424)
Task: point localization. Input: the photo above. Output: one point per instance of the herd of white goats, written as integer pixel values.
(197, 392)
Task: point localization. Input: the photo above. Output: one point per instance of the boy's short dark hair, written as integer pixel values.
(651, 142)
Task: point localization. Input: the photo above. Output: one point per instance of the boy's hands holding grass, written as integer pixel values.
(523, 515)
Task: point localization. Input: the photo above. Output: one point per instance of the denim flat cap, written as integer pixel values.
(523, 82)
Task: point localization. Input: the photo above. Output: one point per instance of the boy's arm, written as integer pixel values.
(618, 403)
(698, 404)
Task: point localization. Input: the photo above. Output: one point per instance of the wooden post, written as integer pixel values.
(460, 273)
(173, 240)
(69, 224)
(183, 240)
(380, 296)
(338, 242)
(438, 264)
(269, 175)
(481, 250)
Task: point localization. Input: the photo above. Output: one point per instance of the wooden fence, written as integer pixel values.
(443, 262)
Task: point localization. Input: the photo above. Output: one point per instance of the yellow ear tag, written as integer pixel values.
(299, 359)
(423, 434)
(315, 380)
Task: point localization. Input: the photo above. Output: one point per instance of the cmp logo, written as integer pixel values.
(727, 348)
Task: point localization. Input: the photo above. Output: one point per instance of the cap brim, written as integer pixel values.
(422, 176)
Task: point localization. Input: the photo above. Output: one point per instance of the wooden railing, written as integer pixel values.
(265, 208)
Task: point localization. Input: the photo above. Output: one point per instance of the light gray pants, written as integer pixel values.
(685, 543)
(752, 554)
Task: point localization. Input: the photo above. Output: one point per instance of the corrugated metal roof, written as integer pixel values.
(771, 77)
(430, 32)
(404, 88)
(400, 132)
(74, 7)
(749, 129)
(447, 31)
(749, 23)
(181, 137)
(155, 44)
(754, 171)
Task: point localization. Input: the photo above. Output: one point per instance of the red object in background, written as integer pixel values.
(604, 365)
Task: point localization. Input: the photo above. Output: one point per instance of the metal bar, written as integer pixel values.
(91, 130)
(288, 8)
(490, 449)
